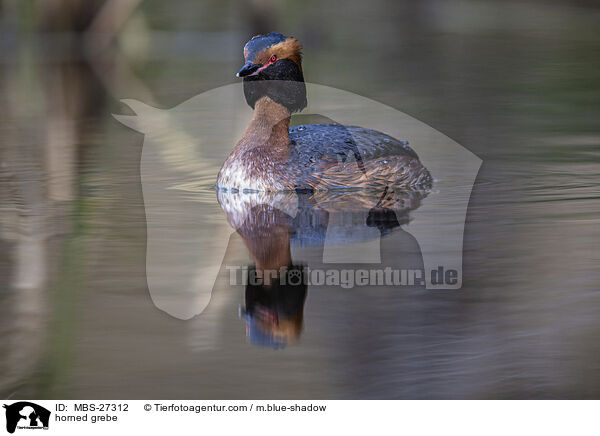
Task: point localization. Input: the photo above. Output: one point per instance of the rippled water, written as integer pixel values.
(81, 322)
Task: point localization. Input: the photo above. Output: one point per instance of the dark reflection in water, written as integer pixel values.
(274, 309)
(274, 312)
(277, 284)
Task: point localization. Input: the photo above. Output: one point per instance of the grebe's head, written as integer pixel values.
(270, 58)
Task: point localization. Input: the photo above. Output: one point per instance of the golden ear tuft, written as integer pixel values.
(288, 49)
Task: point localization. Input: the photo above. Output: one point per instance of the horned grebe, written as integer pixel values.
(271, 156)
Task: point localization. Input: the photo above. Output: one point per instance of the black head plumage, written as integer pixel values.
(282, 81)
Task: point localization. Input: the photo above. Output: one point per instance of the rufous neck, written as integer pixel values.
(270, 123)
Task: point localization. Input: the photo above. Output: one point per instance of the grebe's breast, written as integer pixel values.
(254, 170)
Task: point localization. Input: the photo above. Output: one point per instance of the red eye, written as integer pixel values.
(273, 59)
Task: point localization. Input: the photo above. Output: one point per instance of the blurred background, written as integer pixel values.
(515, 82)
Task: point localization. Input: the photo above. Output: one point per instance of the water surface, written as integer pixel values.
(76, 309)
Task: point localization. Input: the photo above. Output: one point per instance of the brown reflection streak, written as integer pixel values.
(40, 173)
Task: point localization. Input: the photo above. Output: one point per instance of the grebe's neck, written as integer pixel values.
(258, 161)
(269, 125)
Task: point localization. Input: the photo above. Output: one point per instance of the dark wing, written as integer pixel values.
(316, 147)
(326, 141)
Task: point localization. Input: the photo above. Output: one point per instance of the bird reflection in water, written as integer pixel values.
(274, 309)
(274, 313)
(269, 223)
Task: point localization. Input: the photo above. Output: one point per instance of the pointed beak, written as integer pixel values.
(248, 69)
